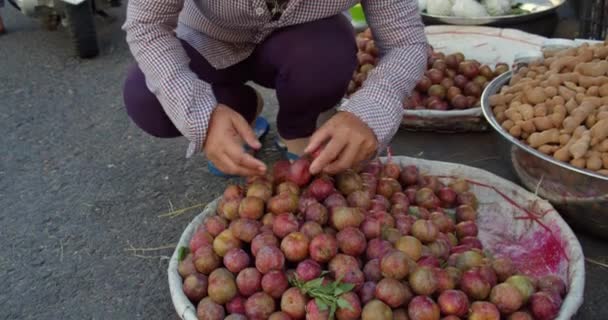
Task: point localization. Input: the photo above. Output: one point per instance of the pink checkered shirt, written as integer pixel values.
(226, 32)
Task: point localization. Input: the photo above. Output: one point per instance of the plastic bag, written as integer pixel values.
(439, 7)
(469, 9)
(497, 7)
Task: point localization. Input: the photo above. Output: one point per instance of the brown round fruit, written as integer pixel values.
(394, 265)
(552, 283)
(186, 267)
(472, 89)
(438, 91)
(436, 76)
(236, 260)
(295, 246)
(423, 281)
(248, 281)
(523, 284)
(460, 81)
(251, 208)
(344, 217)
(206, 260)
(459, 102)
(323, 248)
(423, 308)
(262, 240)
(372, 271)
(274, 283)
(284, 224)
(293, 302)
(269, 258)
(506, 298)
(424, 84)
(316, 212)
(453, 302)
(245, 229)
(447, 83)
(410, 246)
(474, 285)
(209, 310)
(481, 310)
(425, 231)
(259, 306)
(224, 242)
(311, 229)
(222, 286)
(195, 287)
(351, 241)
(376, 310)
(520, 315)
(308, 270)
(500, 69)
(392, 292)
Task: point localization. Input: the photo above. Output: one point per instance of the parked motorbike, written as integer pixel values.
(77, 16)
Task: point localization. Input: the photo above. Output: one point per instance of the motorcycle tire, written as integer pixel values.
(81, 26)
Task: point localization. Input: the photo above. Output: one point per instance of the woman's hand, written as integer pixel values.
(224, 143)
(349, 142)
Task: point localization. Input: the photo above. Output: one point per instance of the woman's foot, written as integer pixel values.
(294, 149)
(2, 29)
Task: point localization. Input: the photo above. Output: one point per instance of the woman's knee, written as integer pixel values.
(143, 107)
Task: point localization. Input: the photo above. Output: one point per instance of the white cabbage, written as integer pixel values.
(439, 7)
(497, 7)
(422, 5)
(469, 9)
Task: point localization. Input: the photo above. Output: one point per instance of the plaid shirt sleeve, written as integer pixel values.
(187, 100)
(399, 34)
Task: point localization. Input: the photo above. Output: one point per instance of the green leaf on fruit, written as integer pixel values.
(182, 252)
(314, 283)
(327, 296)
(343, 288)
(344, 304)
(321, 305)
(332, 311)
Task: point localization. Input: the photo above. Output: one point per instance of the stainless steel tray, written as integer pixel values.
(580, 195)
(537, 8)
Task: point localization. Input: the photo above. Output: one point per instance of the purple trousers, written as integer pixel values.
(309, 65)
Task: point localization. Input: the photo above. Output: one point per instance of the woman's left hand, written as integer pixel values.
(347, 142)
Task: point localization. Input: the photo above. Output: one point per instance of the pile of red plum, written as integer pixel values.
(405, 241)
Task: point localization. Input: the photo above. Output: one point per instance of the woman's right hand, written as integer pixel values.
(227, 133)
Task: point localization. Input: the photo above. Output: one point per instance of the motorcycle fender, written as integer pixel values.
(74, 2)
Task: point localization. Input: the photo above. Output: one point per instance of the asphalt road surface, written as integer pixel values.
(81, 186)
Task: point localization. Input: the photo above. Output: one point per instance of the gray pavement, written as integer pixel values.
(80, 184)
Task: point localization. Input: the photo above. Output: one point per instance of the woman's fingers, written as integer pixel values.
(244, 130)
(345, 160)
(229, 166)
(317, 139)
(241, 159)
(328, 155)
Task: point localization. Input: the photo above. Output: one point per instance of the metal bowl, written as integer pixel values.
(537, 8)
(580, 195)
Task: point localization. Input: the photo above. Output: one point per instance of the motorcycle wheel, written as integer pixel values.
(81, 26)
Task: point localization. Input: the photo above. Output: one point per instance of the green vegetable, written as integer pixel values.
(326, 296)
(413, 211)
(517, 10)
(182, 252)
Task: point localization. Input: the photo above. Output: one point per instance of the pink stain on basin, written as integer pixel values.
(535, 254)
(531, 241)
